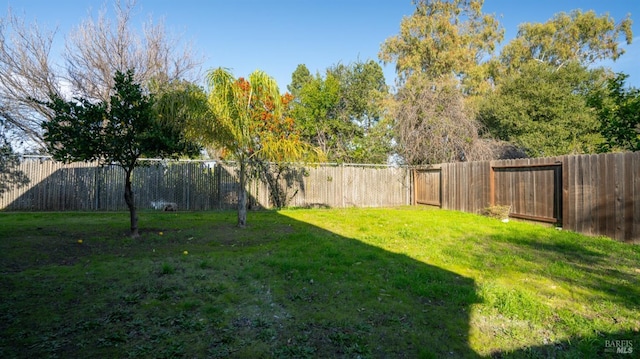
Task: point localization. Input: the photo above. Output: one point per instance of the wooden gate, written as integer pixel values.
(533, 190)
(428, 186)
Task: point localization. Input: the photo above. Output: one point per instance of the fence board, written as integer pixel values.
(635, 197)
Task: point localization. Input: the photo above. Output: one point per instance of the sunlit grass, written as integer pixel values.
(404, 282)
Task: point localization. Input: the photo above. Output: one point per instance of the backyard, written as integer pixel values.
(380, 283)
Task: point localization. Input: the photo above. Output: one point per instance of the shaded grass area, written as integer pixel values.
(407, 282)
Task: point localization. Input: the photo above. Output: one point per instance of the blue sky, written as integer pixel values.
(276, 36)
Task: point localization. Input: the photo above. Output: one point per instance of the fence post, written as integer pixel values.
(564, 200)
(412, 188)
(492, 185)
(217, 174)
(99, 171)
(342, 183)
(190, 179)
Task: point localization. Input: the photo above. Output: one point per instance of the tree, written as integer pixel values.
(120, 131)
(177, 104)
(10, 176)
(362, 89)
(300, 77)
(375, 145)
(94, 52)
(432, 123)
(246, 120)
(25, 74)
(547, 85)
(444, 38)
(341, 113)
(544, 110)
(581, 37)
(316, 110)
(618, 110)
(363, 92)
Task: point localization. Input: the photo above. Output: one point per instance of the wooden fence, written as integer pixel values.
(200, 185)
(590, 194)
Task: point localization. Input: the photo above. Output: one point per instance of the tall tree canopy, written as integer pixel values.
(299, 78)
(95, 50)
(549, 96)
(618, 109)
(539, 91)
(581, 37)
(544, 110)
(247, 119)
(444, 38)
(118, 132)
(342, 113)
(10, 175)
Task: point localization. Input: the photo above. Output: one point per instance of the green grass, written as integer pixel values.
(379, 283)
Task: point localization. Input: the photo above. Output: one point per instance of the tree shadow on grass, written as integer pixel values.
(281, 288)
(361, 300)
(196, 286)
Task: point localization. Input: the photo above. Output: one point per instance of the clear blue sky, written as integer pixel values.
(276, 36)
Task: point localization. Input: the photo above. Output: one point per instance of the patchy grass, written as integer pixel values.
(406, 282)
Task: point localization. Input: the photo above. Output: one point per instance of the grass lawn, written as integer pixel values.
(379, 283)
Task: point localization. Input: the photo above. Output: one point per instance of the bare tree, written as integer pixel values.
(98, 48)
(94, 51)
(25, 74)
(432, 123)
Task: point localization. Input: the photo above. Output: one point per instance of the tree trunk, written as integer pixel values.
(242, 195)
(128, 198)
(276, 193)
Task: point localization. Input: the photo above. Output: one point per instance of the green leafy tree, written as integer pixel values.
(544, 110)
(362, 88)
(299, 78)
(342, 113)
(375, 145)
(317, 111)
(10, 176)
(618, 109)
(445, 38)
(246, 119)
(118, 132)
(363, 92)
(177, 104)
(547, 85)
(581, 37)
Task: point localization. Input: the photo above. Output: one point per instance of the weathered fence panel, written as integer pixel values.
(200, 185)
(465, 186)
(602, 195)
(351, 186)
